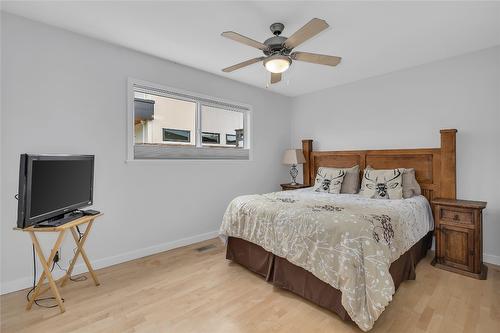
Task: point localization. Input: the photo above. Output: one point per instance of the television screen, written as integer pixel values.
(54, 185)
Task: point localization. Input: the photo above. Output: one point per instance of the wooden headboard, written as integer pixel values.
(435, 168)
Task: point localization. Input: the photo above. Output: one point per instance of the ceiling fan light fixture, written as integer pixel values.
(277, 63)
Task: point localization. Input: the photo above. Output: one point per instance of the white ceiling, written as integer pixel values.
(373, 38)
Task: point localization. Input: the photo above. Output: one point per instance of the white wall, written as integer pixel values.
(65, 93)
(406, 109)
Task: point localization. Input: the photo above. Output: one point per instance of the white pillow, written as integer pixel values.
(329, 180)
(382, 184)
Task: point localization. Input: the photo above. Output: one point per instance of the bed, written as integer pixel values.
(346, 253)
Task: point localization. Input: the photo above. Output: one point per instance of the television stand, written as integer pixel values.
(60, 220)
(47, 262)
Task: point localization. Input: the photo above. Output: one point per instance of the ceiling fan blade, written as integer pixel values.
(309, 30)
(244, 40)
(316, 58)
(243, 64)
(275, 78)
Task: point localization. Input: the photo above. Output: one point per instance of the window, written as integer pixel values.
(176, 135)
(231, 139)
(173, 124)
(210, 138)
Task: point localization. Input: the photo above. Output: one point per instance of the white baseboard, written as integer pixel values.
(26, 282)
(491, 259)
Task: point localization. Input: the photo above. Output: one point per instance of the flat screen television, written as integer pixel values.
(53, 185)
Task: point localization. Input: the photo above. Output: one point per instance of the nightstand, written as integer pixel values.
(289, 186)
(459, 237)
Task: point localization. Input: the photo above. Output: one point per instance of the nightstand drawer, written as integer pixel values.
(456, 215)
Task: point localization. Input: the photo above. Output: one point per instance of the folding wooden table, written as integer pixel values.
(52, 284)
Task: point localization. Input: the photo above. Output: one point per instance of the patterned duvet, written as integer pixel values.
(345, 240)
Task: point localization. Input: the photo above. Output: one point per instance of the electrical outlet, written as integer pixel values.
(56, 257)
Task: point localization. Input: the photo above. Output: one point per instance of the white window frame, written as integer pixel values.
(199, 151)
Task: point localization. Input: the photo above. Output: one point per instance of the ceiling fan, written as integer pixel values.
(278, 49)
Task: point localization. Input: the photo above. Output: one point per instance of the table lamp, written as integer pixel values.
(293, 157)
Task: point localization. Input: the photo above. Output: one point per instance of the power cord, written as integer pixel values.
(34, 286)
(77, 279)
(80, 235)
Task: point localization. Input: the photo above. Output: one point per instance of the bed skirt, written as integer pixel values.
(286, 275)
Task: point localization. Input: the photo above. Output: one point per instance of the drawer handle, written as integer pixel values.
(456, 217)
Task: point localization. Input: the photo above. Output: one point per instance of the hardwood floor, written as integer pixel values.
(184, 290)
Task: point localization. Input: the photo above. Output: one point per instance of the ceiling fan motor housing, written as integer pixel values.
(275, 43)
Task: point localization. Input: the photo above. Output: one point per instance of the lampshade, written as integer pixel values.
(293, 156)
(277, 63)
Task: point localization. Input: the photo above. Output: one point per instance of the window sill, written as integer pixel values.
(168, 152)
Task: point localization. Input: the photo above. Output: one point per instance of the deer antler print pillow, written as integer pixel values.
(382, 184)
(329, 180)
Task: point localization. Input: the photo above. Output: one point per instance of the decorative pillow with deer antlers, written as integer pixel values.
(329, 180)
(382, 184)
